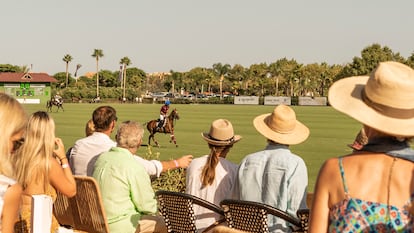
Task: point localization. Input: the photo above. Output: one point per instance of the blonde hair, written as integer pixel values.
(209, 170)
(37, 150)
(89, 128)
(13, 120)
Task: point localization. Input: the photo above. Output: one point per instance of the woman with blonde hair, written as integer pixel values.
(371, 189)
(43, 166)
(13, 121)
(212, 177)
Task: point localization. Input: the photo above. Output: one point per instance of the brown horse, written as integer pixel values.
(169, 128)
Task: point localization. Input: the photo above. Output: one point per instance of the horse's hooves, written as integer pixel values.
(176, 145)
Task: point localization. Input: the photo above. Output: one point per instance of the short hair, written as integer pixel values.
(102, 118)
(129, 134)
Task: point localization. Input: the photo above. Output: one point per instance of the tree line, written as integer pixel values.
(283, 77)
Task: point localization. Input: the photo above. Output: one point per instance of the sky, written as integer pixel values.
(178, 35)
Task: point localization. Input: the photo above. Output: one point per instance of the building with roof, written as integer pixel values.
(29, 88)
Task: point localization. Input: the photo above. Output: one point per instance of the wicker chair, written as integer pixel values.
(178, 213)
(303, 215)
(84, 212)
(252, 216)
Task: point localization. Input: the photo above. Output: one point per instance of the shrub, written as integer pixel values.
(173, 180)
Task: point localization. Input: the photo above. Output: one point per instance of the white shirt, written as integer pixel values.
(223, 187)
(86, 150)
(84, 153)
(153, 167)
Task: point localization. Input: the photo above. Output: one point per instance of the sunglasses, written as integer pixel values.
(17, 144)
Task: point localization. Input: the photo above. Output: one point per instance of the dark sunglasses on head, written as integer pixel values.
(17, 144)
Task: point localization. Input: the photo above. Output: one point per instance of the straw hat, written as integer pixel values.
(281, 126)
(383, 101)
(221, 133)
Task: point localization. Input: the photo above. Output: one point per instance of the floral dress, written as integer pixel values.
(356, 215)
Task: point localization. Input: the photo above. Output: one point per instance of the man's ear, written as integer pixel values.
(113, 125)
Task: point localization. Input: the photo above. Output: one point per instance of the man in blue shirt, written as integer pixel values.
(275, 176)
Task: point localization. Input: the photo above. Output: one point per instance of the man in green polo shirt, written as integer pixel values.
(126, 189)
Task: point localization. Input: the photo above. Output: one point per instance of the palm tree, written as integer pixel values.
(221, 71)
(125, 61)
(97, 53)
(67, 58)
(78, 66)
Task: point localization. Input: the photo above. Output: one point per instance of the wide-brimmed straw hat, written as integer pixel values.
(281, 126)
(383, 101)
(221, 133)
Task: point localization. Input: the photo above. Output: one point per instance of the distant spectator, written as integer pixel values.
(89, 128)
(360, 140)
(13, 120)
(212, 177)
(126, 187)
(275, 176)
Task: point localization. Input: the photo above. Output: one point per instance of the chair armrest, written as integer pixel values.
(195, 199)
(269, 209)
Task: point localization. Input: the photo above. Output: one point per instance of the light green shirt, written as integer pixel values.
(126, 189)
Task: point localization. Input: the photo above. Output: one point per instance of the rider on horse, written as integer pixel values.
(163, 114)
(58, 99)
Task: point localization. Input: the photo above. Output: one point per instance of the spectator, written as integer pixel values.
(86, 150)
(42, 165)
(275, 176)
(359, 141)
(13, 121)
(212, 177)
(89, 128)
(371, 189)
(126, 189)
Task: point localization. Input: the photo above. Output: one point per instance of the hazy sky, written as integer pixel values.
(164, 35)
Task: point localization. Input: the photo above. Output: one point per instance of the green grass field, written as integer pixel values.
(330, 130)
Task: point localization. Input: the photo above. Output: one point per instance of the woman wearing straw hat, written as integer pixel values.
(212, 177)
(371, 189)
(275, 176)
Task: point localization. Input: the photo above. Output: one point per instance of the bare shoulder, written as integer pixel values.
(330, 166)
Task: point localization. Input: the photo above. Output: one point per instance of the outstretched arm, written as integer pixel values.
(182, 162)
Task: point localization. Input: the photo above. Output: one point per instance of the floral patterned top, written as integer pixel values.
(356, 215)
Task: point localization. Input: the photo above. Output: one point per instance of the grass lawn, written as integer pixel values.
(330, 130)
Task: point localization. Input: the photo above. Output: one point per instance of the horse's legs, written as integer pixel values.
(172, 139)
(153, 139)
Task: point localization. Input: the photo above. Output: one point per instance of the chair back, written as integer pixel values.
(253, 216)
(303, 215)
(178, 213)
(84, 211)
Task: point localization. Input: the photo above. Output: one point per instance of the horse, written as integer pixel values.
(169, 128)
(53, 101)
